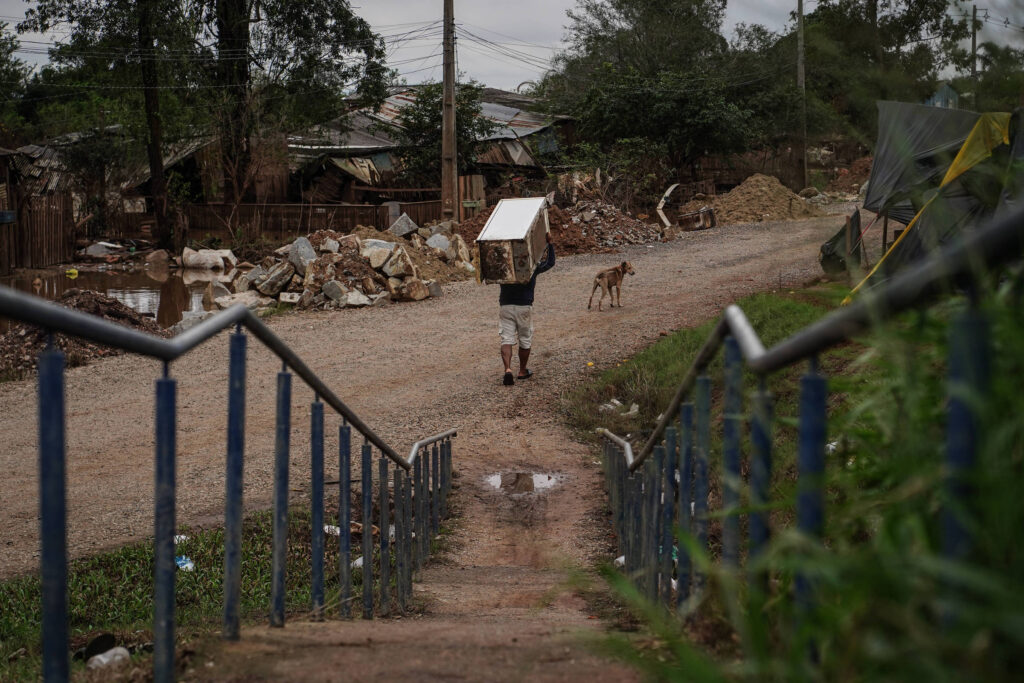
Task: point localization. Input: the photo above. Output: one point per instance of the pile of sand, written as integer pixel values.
(758, 198)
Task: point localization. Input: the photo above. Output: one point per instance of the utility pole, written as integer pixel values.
(801, 84)
(974, 52)
(449, 159)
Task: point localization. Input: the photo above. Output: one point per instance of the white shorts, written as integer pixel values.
(513, 321)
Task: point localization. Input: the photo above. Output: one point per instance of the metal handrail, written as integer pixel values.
(414, 451)
(1001, 241)
(55, 318)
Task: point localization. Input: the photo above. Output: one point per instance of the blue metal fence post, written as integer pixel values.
(657, 521)
(345, 518)
(385, 538)
(701, 456)
(367, 491)
(435, 498)
(316, 438)
(163, 538)
(967, 382)
(279, 554)
(446, 473)
(416, 511)
(233, 485)
(53, 515)
(760, 470)
(425, 506)
(810, 466)
(684, 499)
(409, 542)
(668, 516)
(400, 552)
(731, 476)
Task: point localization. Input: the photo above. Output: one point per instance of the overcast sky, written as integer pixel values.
(513, 39)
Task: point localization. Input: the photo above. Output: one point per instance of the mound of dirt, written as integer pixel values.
(21, 345)
(429, 265)
(758, 198)
(850, 180)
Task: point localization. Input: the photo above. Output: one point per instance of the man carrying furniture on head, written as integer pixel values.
(515, 319)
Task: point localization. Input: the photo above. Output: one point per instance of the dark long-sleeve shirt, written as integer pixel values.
(522, 294)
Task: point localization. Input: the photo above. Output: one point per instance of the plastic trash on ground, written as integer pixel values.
(108, 658)
(185, 563)
(180, 538)
(332, 530)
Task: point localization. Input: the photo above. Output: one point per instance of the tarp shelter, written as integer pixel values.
(941, 172)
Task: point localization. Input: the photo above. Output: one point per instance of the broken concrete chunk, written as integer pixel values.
(283, 251)
(352, 241)
(277, 279)
(289, 297)
(301, 254)
(159, 256)
(330, 246)
(306, 299)
(334, 290)
(214, 291)
(417, 241)
(461, 249)
(205, 259)
(439, 241)
(403, 226)
(399, 265)
(443, 228)
(434, 288)
(376, 256)
(414, 290)
(356, 299)
(250, 300)
(380, 299)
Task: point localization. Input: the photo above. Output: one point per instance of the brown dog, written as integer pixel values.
(610, 281)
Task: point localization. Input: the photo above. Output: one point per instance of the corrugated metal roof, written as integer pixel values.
(512, 123)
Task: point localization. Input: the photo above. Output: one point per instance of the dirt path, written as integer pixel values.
(410, 371)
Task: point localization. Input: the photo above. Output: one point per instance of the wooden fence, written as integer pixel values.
(44, 234)
(280, 222)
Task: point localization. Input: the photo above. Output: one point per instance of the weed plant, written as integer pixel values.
(887, 604)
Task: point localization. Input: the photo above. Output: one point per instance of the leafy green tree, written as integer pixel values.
(1000, 84)
(419, 132)
(13, 79)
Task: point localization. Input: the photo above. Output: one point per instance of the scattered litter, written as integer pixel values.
(831, 448)
(185, 563)
(616, 406)
(109, 658)
(620, 561)
(523, 482)
(332, 530)
(357, 563)
(180, 538)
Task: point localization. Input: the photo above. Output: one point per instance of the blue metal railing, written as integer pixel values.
(670, 474)
(421, 487)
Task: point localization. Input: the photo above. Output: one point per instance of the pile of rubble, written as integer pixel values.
(758, 198)
(586, 227)
(20, 346)
(327, 270)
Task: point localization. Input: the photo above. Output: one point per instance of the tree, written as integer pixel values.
(284, 60)
(419, 132)
(1000, 84)
(13, 79)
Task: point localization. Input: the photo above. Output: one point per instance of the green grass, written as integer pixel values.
(885, 594)
(113, 591)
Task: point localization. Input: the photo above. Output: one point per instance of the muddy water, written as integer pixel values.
(163, 294)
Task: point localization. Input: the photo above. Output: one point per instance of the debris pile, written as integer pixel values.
(586, 227)
(21, 345)
(367, 267)
(758, 198)
(849, 181)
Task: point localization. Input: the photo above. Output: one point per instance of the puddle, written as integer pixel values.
(523, 482)
(162, 294)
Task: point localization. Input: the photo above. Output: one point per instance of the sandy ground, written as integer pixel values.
(409, 370)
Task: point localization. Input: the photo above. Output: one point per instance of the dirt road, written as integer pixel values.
(409, 370)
